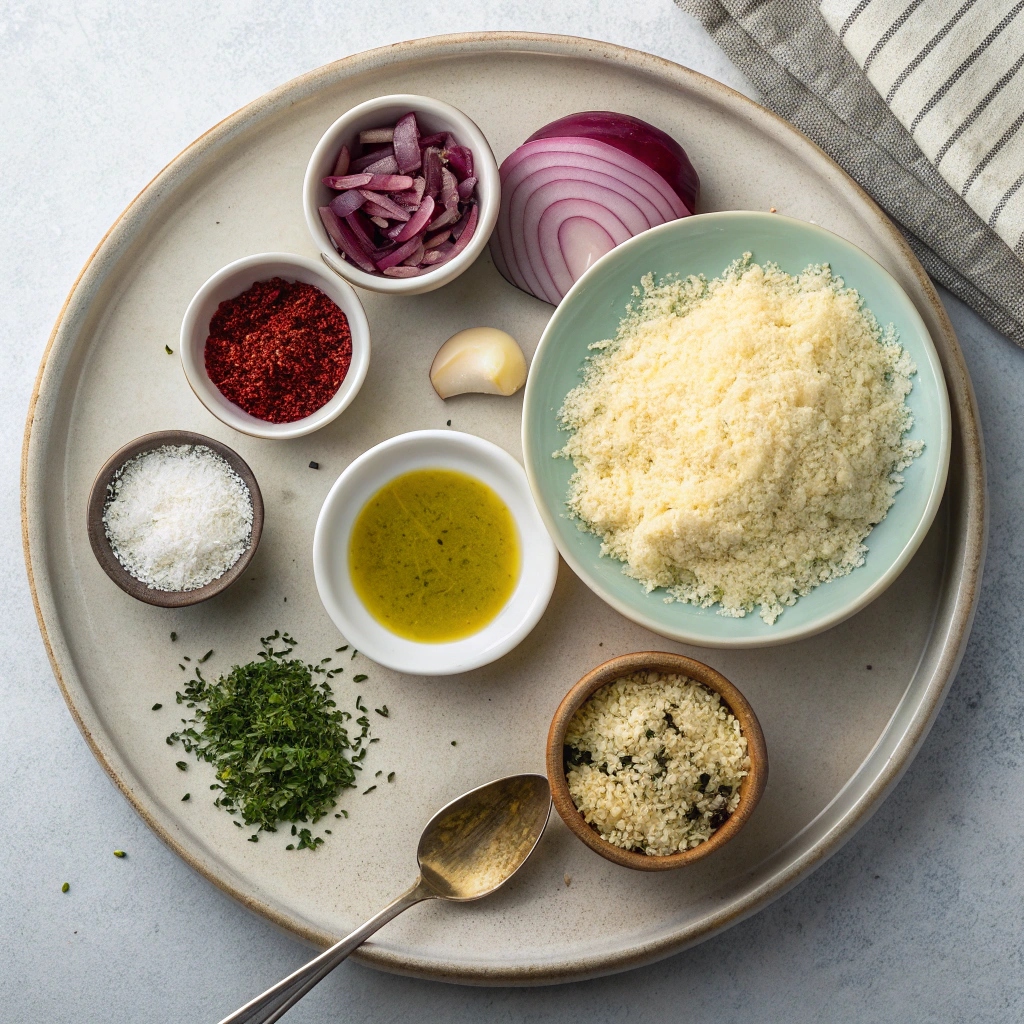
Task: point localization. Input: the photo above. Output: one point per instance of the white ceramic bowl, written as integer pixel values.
(433, 116)
(234, 279)
(432, 449)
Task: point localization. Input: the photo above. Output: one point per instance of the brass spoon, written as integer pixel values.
(471, 847)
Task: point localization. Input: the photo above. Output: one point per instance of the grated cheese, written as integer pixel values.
(739, 438)
(178, 517)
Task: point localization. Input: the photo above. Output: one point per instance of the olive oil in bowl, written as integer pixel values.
(434, 555)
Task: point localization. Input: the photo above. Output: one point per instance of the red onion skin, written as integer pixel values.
(362, 162)
(418, 221)
(396, 257)
(342, 163)
(465, 237)
(347, 202)
(342, 235)
(638, 138)
(406, 143)
(387, 206)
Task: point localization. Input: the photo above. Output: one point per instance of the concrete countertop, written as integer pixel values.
(917, 919)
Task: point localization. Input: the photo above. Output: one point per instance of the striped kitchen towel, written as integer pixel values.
(922, 103)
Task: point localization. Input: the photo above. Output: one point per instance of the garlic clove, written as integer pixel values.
(481, 359)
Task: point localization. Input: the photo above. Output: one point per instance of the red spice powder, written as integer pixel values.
(279, 350)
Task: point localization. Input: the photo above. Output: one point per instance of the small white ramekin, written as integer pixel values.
(433, 116)
(432, 449)
(236, 278)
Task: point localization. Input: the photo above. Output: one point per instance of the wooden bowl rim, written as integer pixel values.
(101, 546)
(751, 788)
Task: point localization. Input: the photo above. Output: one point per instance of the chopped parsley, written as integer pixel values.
(276, 738)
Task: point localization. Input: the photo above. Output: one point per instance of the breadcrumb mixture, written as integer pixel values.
(654, 762)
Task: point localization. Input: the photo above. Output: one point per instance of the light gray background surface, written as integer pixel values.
(918, 918)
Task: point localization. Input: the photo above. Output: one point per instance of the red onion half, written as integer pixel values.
(577, 188)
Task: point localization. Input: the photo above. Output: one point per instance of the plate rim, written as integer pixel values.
(967, 549)
(785, 635)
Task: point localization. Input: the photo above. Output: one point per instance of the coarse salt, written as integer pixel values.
(178, 517)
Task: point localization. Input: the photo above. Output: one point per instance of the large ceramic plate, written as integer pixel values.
(838, 738)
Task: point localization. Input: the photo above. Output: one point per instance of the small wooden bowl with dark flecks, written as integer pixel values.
(655, 661)
(100, 495)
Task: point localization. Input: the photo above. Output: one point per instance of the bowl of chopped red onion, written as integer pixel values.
(275, 345)
(401, 194)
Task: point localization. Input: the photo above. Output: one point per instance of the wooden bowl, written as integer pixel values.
(655, 661)
(101, 546)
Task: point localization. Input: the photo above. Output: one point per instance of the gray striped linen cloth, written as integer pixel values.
(922, 103)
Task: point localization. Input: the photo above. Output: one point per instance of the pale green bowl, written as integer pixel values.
(591, 312)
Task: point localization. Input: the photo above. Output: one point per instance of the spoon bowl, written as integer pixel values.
(480, 840)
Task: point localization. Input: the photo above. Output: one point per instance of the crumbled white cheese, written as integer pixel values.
(178, 517)
(739, 438)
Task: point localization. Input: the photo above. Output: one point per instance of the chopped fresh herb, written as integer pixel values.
(182, 667)
(377, 775)
(169, 350)
(382, 711)
(277, 740)
(449, 423)
(649, 733)
(391, 776)
(181, 766)
(187, 796)
(328, 832)
(344, 813)
(359, 678)
(338, 650)
(308, 841)
(290, 846)
(156, 707)
(120, 853)
(186, 657)
(370, 790)
(254, 839)
(206, 656)
(454, 743)
(573, 758)
(354, 653)
(65, 887)
(376, 739)
(314, 465)
(174, 636)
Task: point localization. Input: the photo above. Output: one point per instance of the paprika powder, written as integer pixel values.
(280, 350)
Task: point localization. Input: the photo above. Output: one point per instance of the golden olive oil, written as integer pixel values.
(434, 555)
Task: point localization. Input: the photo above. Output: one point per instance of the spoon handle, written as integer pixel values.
(279, 998)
